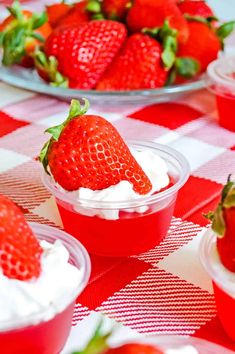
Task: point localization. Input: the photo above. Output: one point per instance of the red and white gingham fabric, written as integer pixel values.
(166, 290)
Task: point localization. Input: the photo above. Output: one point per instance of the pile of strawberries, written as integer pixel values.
(114, 44)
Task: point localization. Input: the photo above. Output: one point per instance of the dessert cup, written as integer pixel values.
(221, 81)
(223, 282)
(46, 332)
(142, 223)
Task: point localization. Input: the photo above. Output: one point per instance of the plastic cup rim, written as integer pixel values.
(207, 242)
(177, 156)
(42, 316)
(214, 76)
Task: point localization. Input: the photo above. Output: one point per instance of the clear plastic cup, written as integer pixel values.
(133, 232)
(223, 282)
(221, 81)
(46, 332)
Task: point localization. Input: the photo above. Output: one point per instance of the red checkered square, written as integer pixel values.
(108, 277)
(9, 124)
(195, 194)
(159, 302)
(170, 115)
(214, 332)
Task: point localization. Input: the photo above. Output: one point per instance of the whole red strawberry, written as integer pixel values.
(115, 9)
(84, 52)
(196, 8)
(138, 66)
(203, 44)
(153, 13)
(223, 223)
(76, 15)
(87, 151)
(20, 251)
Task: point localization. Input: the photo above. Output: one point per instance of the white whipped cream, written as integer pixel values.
(188, 349)
(153, 166)
(57, 282)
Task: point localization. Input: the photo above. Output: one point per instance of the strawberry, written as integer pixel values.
(87, 151)
(196, 8)
(84, 52)
(20, 251)
(21, 33)
(153, 13)
(115, 9)
(203, 44)
(223, 224)
(135, 348)
(56, 12)
(76, 15)
(138, 66)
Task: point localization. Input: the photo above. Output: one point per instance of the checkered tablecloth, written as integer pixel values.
(166, 290)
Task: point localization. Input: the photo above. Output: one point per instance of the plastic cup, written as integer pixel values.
(46, 332)
(221, 81)
(223, 282)
(133, 232)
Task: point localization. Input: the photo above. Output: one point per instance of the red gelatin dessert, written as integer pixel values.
(117, 198)
(221, 81)
(42, 271)
(218, 256)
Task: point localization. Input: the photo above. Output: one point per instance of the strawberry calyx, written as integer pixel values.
(94, 8)
(48, 69)
(224, 31)
(167, 36)
(227, 202)
(75, 110)
(98, 343)
(18, 32)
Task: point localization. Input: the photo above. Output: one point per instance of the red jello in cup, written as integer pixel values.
(221, 81)
(46, 332)
(223, 282)
(134, 231)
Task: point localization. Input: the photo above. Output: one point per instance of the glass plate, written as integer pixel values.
(29, 80)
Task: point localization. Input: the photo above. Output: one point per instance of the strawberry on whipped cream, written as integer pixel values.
(57, 281)
(155, 169)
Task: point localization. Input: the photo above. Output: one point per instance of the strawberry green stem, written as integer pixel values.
(98, 343)
(227, 201)
(49, 67)
(75, 110)
(167, 36)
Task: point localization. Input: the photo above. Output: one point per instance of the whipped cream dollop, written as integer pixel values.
(187, 349)
(153, 166)
(57, 282)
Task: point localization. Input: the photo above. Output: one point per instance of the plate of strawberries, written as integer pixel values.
(111, 50)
